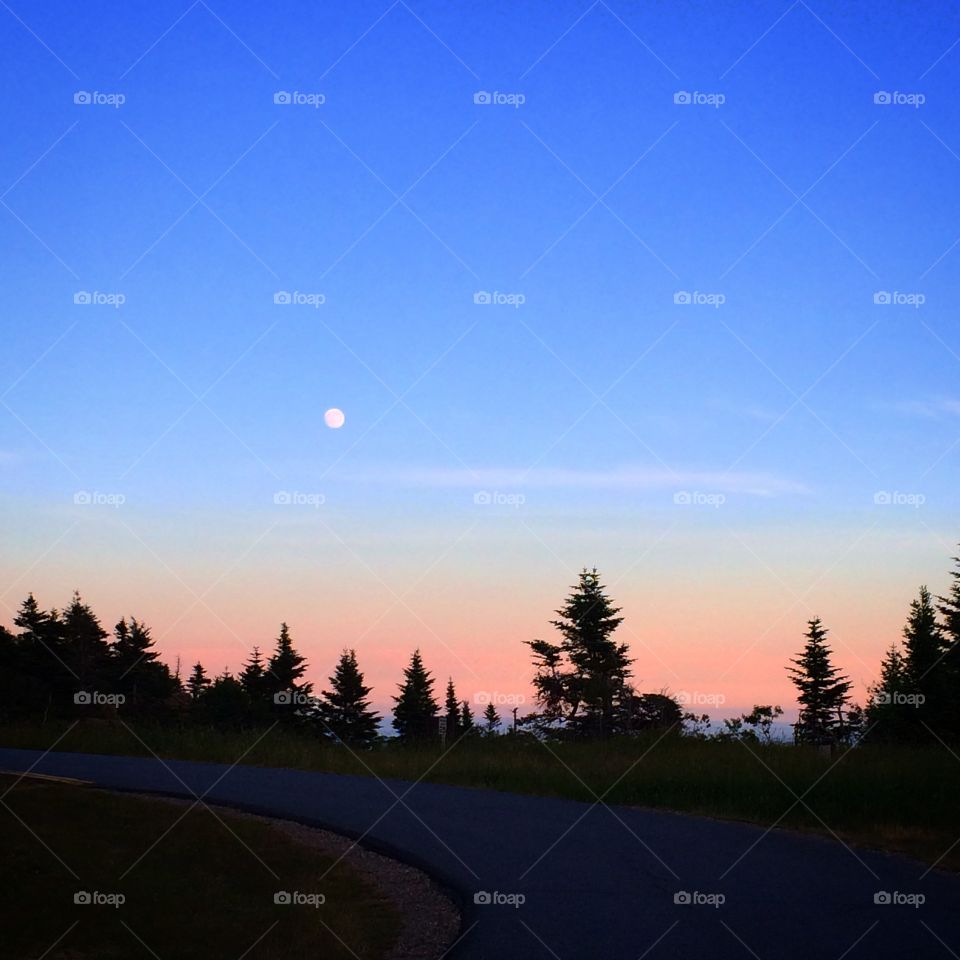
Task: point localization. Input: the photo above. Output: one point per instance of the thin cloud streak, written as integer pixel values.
(615, 479)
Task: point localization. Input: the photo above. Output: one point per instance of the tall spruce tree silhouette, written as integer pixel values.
(580, 682)
(344, 710)
(823, 693)
(414, 716)
(947, 712)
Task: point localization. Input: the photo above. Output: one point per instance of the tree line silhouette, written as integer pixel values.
(62, 663)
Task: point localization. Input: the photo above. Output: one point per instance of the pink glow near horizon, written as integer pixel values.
(725, 646)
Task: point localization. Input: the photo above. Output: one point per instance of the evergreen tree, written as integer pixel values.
(16, 696)
(198, 682)
(225, 702)
(256, 685)
(823, 693)
(580, 682)
(924, 644)
(40, 677)
(87, 653)
(889, 715)
(286, 666)
(945, 710)
(344, 710)
(466, 719)
(136, 671)
(284, 672)
(949, 606)
(452, 712)
(491, 720)
(414, 716)
(40, 639)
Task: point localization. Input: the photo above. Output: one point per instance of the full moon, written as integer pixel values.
(334, 418)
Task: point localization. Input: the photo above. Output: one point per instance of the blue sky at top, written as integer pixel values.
(399, 198)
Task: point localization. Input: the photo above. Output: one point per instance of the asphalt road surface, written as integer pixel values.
(545, 878)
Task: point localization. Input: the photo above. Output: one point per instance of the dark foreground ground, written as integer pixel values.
(541, 877)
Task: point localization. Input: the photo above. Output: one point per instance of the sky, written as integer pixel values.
(666, 289)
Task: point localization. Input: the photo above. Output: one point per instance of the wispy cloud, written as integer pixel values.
(615, 479)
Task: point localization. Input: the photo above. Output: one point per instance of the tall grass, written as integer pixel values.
(895, 797)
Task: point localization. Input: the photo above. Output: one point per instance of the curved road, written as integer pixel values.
(597, 881)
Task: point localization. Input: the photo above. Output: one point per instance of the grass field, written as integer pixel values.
(197, 888)
(895, 798)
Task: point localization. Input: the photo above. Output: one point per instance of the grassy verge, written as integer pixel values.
(895, 798)
(196, 887)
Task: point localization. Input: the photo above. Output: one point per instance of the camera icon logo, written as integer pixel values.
(682, 498)
(282, 296)
(283, 697)
(481, 96)
(482, 297)
(82, 897)
(482, 897)
(81, 97)
(882, 297)
(282, 897)
(682, 897)
(881, 97)
(682, 297)
(82, 297)
(882, 897)
(681, 96)
(82, 698)
(882, 498)
(282, 498)
(481, 498)
(281, 96)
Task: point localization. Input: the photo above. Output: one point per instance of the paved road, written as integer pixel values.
(598, 882)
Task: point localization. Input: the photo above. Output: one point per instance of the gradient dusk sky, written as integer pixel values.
(719, 361)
